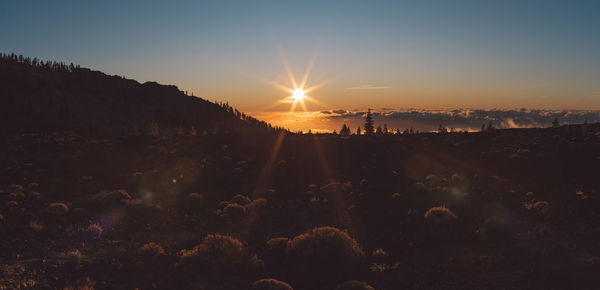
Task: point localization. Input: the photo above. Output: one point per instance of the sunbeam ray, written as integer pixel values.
(287, 68)
(309, 68)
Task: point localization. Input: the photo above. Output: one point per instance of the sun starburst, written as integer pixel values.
(299, 90)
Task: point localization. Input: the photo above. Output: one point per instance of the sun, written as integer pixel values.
(299, 92)
(298, 95)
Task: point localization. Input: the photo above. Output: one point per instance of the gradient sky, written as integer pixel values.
(394, 54)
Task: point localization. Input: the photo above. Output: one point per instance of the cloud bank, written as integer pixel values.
(423, 120)
(463, 119)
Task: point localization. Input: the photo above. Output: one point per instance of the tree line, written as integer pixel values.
(49, 65)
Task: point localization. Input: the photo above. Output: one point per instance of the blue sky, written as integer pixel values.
(398, 54)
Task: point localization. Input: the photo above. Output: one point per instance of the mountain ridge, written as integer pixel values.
(38, 96)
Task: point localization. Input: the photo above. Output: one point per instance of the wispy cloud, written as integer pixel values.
(368, 87)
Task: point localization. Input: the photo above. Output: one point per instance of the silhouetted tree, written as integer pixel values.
(385, 128)
(358, 131)
(442, 129)
(555, 123)
(345, 131)
(379, 131)
(489, 126)
(482, 127)
(369, 124)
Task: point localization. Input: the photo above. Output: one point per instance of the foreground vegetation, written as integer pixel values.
(492, 210)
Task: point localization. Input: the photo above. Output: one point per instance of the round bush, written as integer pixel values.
(150, 250)
(541, 206)
(234, 211)
(240, 199)
(275, 252)
(57, 208)
(114, 197)
(94, 230)
(440, 215)
(218, 254)
(324, 251)
(256, 205)
(271, 284)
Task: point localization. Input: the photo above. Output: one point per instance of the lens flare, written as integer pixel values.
(299, 90)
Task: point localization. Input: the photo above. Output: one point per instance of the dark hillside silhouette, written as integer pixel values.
(38, 96)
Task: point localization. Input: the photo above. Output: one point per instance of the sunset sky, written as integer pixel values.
(379, 54)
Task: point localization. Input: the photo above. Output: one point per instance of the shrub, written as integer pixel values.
(458, 179)
(35, 194)
(277, 244)
(275, 252)
(94, 230)
(72, 259)
(379, 254)
(218, 254)
(16, 194)
(335, 188)
(240, 199)
(132, 202)
(440, 215)
(57, 208)
(256, 205)
(222, 205)
(378, 268)
(32, 186)
(195, 198)
(12, 205)
(151, 249)
(271, 284)
(16, 188)
(234, 211)
(35, 225)
(324, 251)
(114, 197)
(541, 206)
(354, 285)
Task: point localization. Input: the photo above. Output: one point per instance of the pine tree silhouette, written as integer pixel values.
(345, 131)
(369, 124)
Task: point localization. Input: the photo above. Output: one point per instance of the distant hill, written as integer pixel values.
(38, 96)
